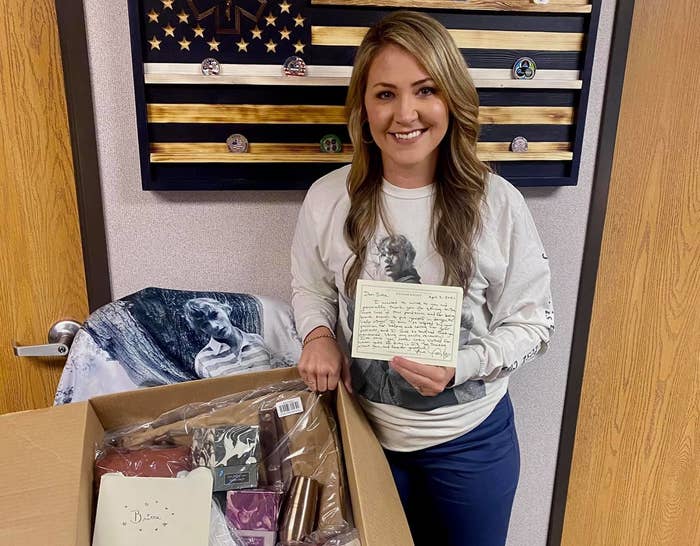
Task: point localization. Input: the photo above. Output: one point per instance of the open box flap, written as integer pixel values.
(45, 456)
(375, 501)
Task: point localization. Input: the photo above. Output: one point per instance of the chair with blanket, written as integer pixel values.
(159, 336)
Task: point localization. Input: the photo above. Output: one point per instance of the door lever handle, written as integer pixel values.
(60, 339)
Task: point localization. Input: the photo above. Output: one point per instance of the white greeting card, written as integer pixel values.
(154, 511)
(417, 321)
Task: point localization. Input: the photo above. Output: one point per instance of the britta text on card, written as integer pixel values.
(154, 511)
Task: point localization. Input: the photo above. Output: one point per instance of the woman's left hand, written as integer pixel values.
(426, 379)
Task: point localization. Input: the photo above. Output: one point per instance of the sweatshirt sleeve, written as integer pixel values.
(520, 305)
(314, 294)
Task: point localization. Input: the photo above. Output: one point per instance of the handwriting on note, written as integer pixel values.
(417, 321)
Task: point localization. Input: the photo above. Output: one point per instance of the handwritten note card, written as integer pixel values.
(417, 321)
(154, 511)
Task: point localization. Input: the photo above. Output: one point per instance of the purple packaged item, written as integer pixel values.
(253, 513)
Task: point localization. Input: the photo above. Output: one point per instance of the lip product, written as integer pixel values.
(231, 452)
(299, 515)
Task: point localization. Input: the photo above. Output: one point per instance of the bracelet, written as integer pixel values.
(307, 341)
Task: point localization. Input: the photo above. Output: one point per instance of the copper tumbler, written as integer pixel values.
(299, 515)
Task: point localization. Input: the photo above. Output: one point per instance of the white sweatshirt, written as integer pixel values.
(507, 315)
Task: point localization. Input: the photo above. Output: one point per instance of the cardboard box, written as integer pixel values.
(46, 467)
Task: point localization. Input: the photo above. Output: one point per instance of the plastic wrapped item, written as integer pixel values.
(220, 534)
(231, 451)
(155, 461)
(254, 514)
(257, 440)
(349, 538)
(299, 510)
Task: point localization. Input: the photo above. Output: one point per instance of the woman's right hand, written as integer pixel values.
(322, 363)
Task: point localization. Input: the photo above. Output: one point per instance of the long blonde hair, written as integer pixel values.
(460, 176)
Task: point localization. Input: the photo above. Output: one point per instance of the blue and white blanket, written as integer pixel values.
(156, 336)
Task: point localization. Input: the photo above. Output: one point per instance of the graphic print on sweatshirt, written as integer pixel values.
(393, 259)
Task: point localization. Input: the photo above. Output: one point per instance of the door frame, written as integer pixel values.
(622, 24)
(76, 71)
(81, 121)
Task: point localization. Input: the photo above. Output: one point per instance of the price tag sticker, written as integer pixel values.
(289, 407)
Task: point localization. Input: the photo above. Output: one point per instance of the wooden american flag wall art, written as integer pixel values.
(185, 117)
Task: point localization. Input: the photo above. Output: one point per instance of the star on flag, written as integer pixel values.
(242, 45)
(292, 28)
(155, 43)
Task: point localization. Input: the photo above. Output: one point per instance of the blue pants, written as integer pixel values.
(460, 493)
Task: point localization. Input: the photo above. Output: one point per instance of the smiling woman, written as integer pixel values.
(429, 89)
(407, 117)
(418, 206)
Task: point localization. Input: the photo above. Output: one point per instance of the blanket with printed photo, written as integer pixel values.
(159, 336)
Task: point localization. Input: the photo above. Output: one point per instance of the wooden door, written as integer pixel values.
(635, 477)
(42, 275)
